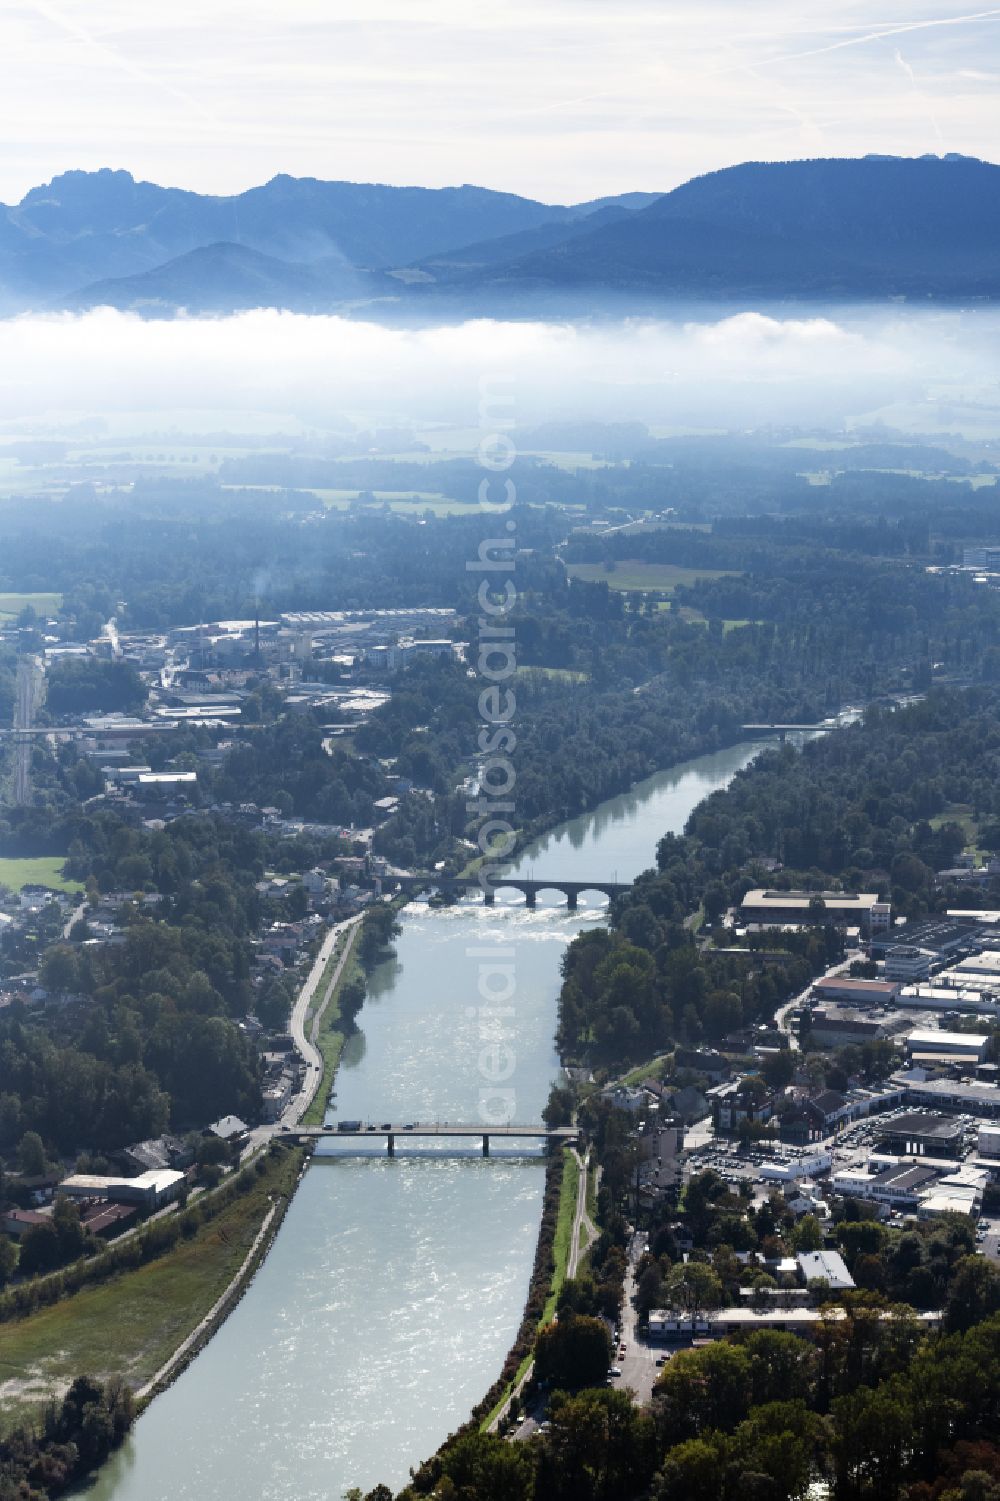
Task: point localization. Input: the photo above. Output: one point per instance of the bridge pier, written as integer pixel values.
(571, 900)
(531, 897)
(486, 1145)
(489, 897)
(391, 1143)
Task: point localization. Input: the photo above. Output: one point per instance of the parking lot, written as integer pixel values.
(850, 1147)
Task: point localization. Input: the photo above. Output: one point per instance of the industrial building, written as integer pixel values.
(856, 992)
(945, 937)
(932, 1043)
(943, 996)
(833, 1025)
(149, 1190)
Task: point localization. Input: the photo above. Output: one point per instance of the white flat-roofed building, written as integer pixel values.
(789, 1169)
(829, 1265)
(989, 1141)
(896, 1187)
(803, 1321)
(932, 1041)
(664, 1323)
(853, 1182)
(966, 1176)
(951, 992)
(948, 1201)
(981, 966)
(150, 1190)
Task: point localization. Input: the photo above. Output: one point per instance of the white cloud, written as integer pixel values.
(741, 369)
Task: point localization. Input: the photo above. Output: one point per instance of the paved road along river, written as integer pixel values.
(393, 1290)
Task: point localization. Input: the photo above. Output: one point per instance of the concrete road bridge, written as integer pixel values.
(781, 730)
(390, 1132)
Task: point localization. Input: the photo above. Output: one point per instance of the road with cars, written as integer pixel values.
(635, 1357)
(782, 1017)
(306, 1045)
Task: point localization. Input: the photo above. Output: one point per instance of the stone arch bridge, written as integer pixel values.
(462, 886)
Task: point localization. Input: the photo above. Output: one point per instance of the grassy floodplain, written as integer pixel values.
(564, 1231)
(131, 1324)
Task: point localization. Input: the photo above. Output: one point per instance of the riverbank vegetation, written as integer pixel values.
(80, 1432)
(121, 1315)
(595, 1289)
(562, 1240)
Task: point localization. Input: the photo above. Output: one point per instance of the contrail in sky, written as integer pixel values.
(918, 91)
(785, 57)
(871, 36)
(74, 29)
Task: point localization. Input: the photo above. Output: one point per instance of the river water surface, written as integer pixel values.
(395, 1288)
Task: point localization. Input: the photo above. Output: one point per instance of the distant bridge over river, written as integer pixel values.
(781, 730)
(390, 1132)
(462, 886)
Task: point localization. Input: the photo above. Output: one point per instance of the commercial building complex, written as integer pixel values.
(841, 907)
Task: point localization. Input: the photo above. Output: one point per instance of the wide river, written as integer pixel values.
(394, 1288)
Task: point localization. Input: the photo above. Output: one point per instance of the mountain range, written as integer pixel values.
(873, 227)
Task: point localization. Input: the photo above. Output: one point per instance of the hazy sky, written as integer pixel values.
(559, 99)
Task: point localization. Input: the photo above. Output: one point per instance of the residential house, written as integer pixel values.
(742, 1107)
